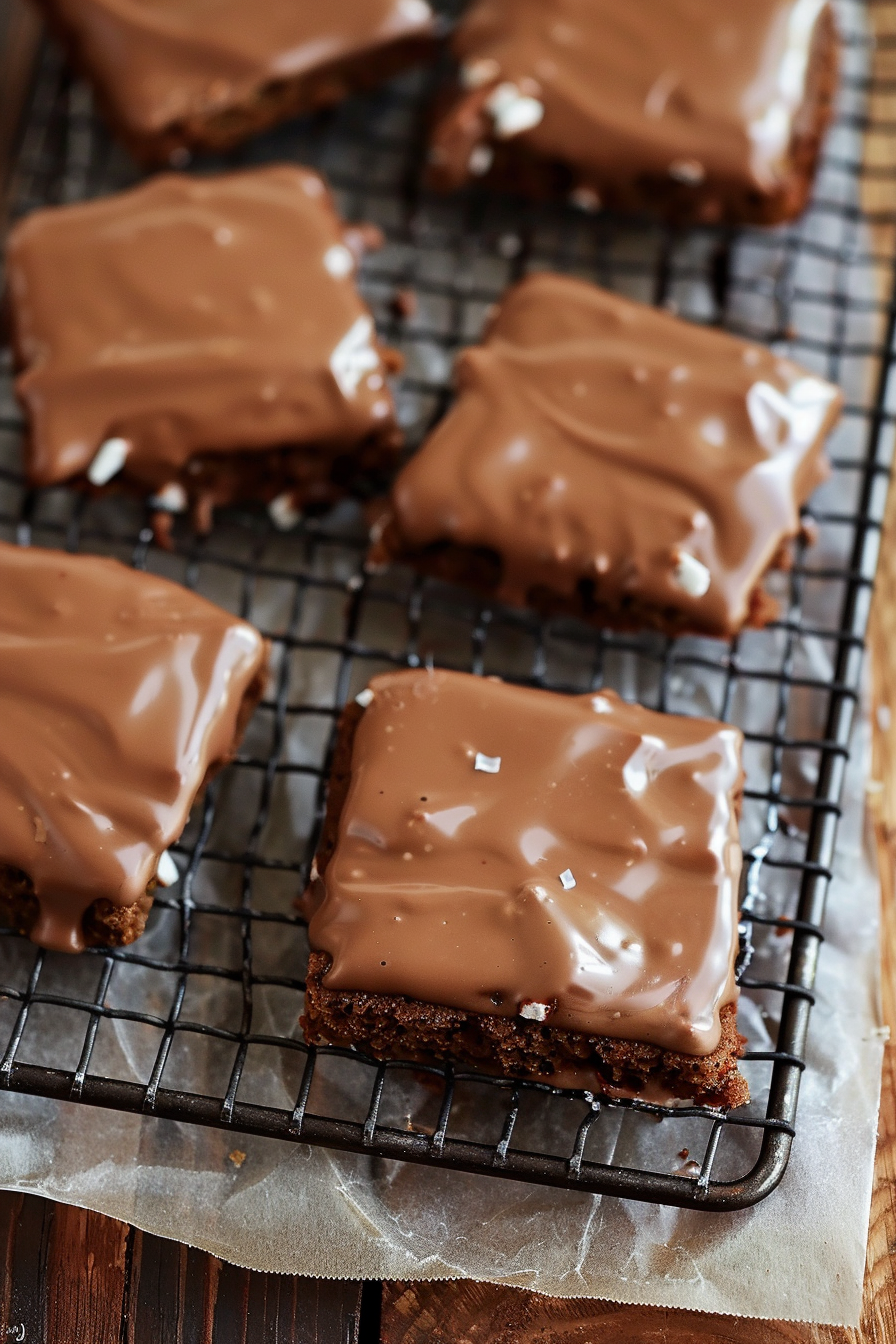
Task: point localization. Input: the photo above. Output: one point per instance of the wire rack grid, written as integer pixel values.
(199, 1020)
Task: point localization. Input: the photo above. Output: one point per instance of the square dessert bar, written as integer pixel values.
(120, 695)
(179, 75)
(692, 108)
(201, 340)
(531, 884)
(608, 460)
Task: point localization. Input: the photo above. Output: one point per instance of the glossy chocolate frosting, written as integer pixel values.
(595, 440)
(118, 692)
(694, 90)
(574, 859)
(191, 315)
(161, 62)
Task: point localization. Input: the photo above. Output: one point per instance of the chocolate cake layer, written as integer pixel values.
(698, 110)
(537, 884)
(209, 330)
(120, 693)
(179, 75)
(607, 459)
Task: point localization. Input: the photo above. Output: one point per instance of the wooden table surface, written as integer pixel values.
(72, 1277)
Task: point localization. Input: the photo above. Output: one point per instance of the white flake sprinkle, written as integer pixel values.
(167, 872)
(415, 11)
(364, 698)
(338, 261)
(585, 198)
(691, 576)
(481, 159)
(688, 171)
(535, 1012)
(513, 112)
(476, 74)
(283, 512)
(567, 881)
(600, 705)
(108, 462)
(354, 356)
(713, 431)
(490, 765)
(172, 498)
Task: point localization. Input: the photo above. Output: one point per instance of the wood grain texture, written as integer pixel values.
(86, 1276)
(74, 1277)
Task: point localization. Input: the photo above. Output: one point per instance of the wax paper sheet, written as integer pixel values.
(292, 1208)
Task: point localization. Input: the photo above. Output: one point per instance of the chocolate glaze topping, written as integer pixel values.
(118, 692)
(691, 90)
(505, 850)
(166, 61)
(191, 315)
(601, 441)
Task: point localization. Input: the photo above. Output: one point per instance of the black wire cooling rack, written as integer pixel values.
(199, 1020)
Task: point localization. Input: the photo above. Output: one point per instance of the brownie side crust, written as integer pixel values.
(479, 569)
(104, 924)
(464, 124)
(388, 1026)
(392, 1027)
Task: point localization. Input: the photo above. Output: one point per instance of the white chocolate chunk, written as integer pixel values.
(108, 462)
(691, 576)
(364, 698)
(567, 880)
(489, 765)
(535, 1012)
(167, 872)
(283, 512)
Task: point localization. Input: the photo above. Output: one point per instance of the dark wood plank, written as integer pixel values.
(85, 1277)
(156, 1291)
(10, 1212)
(74, 1277)
(28, 1271)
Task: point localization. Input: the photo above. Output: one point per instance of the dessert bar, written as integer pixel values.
(201, 340)
(698, 110)
(608, 460)
(120, 695)
(531, 884)
(183, 75)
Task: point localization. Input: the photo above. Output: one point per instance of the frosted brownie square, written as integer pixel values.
(698, 110)
(120, 695)
(180, 75)
(531, 884)
(202, 341)
(608, 460)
